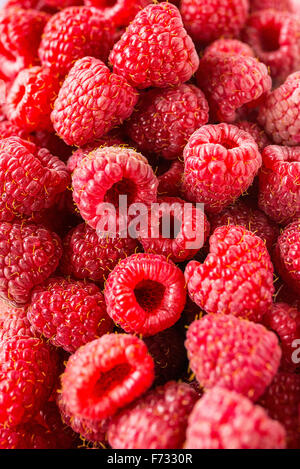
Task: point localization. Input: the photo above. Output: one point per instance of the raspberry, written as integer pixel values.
(91, 102)
(236, 277)
(50, 419)
(73, 33)
(30, 178)
(29, 436)
(7, 129)
(274, 37)
(40, 5)
(29, 254)
(287, 255)
(145, 294)
(279, 113)
(165, 119)
(86, 256)
(188, 229)
(31, 98)
(280, 5)
(155, 50)
(53, 143)
(105, 375)
(230, 81)
(169, 181)
(252, 219)
(256, 132)
(157, 420)
(220, 162)
(279, 191)
(27, 373)
(15, 323)
(74, 315)
(20, 35)
(107, 173)
(207, 20)
(229, 46)
(223, 419)
(119, 12)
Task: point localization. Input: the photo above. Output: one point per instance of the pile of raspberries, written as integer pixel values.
(144, 342)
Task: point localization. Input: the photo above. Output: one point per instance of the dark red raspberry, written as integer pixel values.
(119, 12)
(50, 418)
(145, 294)
(73, 33)
(164, 120)
(31, 435)
(220, 162)
(107, 173)
(230, 81)
(284, 294)
(105, 375)
(252, 219)
(31, 98)
(281, 5)
(169, 175)
(236, 277)
(233, 353)
(223, 419)
(28, 369)
(53, 143)
(257, 133)
(281, 401)
(85, 256)
(207, 20)
(69, 313)
(91, 101)
(155, 50)
(157, 420)
(230, 46)
(7, 129)
(30, 178)
(20, 35)
(29, 254)
(287, 255)
(13, 323)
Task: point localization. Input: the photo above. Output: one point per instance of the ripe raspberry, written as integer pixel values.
(230, 46)
(236, 277)
(14, 323)
(165, 119)
(279, 190)
(220, 162)
(256, 132)
(29, 254)
(107, 173)
(145, 294)
(69, 313)
(40, 5)
(280, 5)
(86, 256)
(30, 435)
(169, 177)
(20, 35)
(207, 20)
(157, 420)
(287, 255)
(155, 50)
(118, 12)
(230, 81)
(31, 98)
(50, 418)
(91, 102)
(281, 401)
(73, 33)
(223, 419)
(105, 375)
(252, 219)
(53, 143)
(30, 178)
(7, 129)
(28, 369)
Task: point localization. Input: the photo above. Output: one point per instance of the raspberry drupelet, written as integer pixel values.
(14, 322)
(256, 131)
(105, 375)
(7, 129)
(287, 255)
(119, 12)
(229, 46)
(145, 294)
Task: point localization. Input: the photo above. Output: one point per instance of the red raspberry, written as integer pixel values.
(31, 435)
(281, 401)
(91, 101)
(107, 173)
(236, 277)
(279, 114)
(187, 225)
(207, 20)
(157, 420)
(155, 50)
(105, 375)
(28, 369)
(40, 5)
(230, 81)
(14, 323)
(145, 294)
(20, 35)
(281, 5)
(73, 33)
(29, 254)
(279, 190)
(7, 129)
(86, 256)
(53, 143)
(169, 177)
(165, 119)
(256, 132)
(220, 162)
(233, 353)
(31, 98)
(252, 219)
(287, 255)
(223, 419)
(230, 46)
(118, 12)
(50, 418)
(30, 178)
